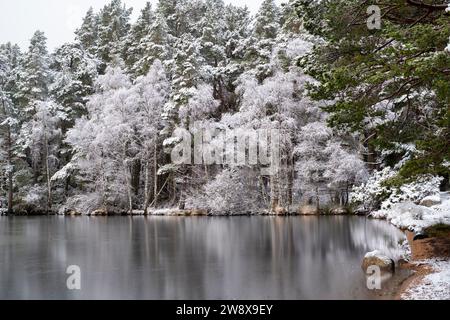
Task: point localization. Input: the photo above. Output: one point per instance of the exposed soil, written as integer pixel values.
(437, 247)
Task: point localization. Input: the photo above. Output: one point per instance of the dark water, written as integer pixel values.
(190, 258)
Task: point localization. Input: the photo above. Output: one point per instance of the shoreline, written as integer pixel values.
(422, 251)
(175, 212)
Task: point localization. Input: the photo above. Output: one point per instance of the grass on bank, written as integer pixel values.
(438, 231)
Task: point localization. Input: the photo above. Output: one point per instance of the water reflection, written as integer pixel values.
(190, 258)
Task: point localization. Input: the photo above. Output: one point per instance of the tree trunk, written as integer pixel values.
(127, 172)
(291, 173)
(275, 196)
(147, 188)
(155, 182)
(317, 199)
(370, 155)
(10, 173)
(136, 176)
(47, 169)
(155, 175)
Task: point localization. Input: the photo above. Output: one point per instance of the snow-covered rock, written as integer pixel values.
(99, 212)
(177, 212)
(308, 210)
(339, 211)
(431, 201)
(280, 211)
(377, 258)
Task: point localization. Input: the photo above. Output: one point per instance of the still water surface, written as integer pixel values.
(190, 258)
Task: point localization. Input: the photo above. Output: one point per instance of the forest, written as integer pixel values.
(364, 111)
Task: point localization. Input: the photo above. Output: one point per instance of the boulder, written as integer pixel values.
(430, 201)
(280, 211)
(308, 210)
(100, 212)
(339, 211)
(199, 213)
(420, 235)
(376, 258)
(73, 213)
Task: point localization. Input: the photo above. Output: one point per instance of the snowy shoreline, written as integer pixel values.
(431, 277)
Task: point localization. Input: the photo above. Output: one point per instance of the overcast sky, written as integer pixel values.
(19, 19)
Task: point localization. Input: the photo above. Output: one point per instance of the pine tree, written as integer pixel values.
(185, 71)
(132, 50)
(236, 33)
(168, 10)
(212, 48)
(114, 24)
(263, 40)
(267, 22)
(211, 26)
(33, 75)
(75, 72)
(156, 45)
(390, 86)
(9, 120)
(87, 34)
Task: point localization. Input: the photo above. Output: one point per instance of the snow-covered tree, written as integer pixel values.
(185, 77)
(154, 46)
(75, 72)
(9, 122)
(132, 47)
(201, 105)
(152, 93)
(325, 166)
(42, 136)
(119, 137)
(102, 141)
(114, 25)
(261, 43)
(87, 34)
(231, 192)
(33, 75)
(94, 121)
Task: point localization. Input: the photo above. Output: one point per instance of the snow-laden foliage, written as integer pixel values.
(324, 163)
(94, 120)
(413, 217)
(378, 192)
(369, 196)
(232, 192)
(120, 133)
(416, 191)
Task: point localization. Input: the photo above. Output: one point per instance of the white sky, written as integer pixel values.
(19, 19)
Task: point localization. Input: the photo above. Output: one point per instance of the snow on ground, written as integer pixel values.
(415, 217)
(435, 286)
(408, 215)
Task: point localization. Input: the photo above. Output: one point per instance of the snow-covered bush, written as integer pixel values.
(84, 204)
(32, 199)
(369, 196)
(408, 215)
(376, 193)
(229, 193)
(416, 191)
